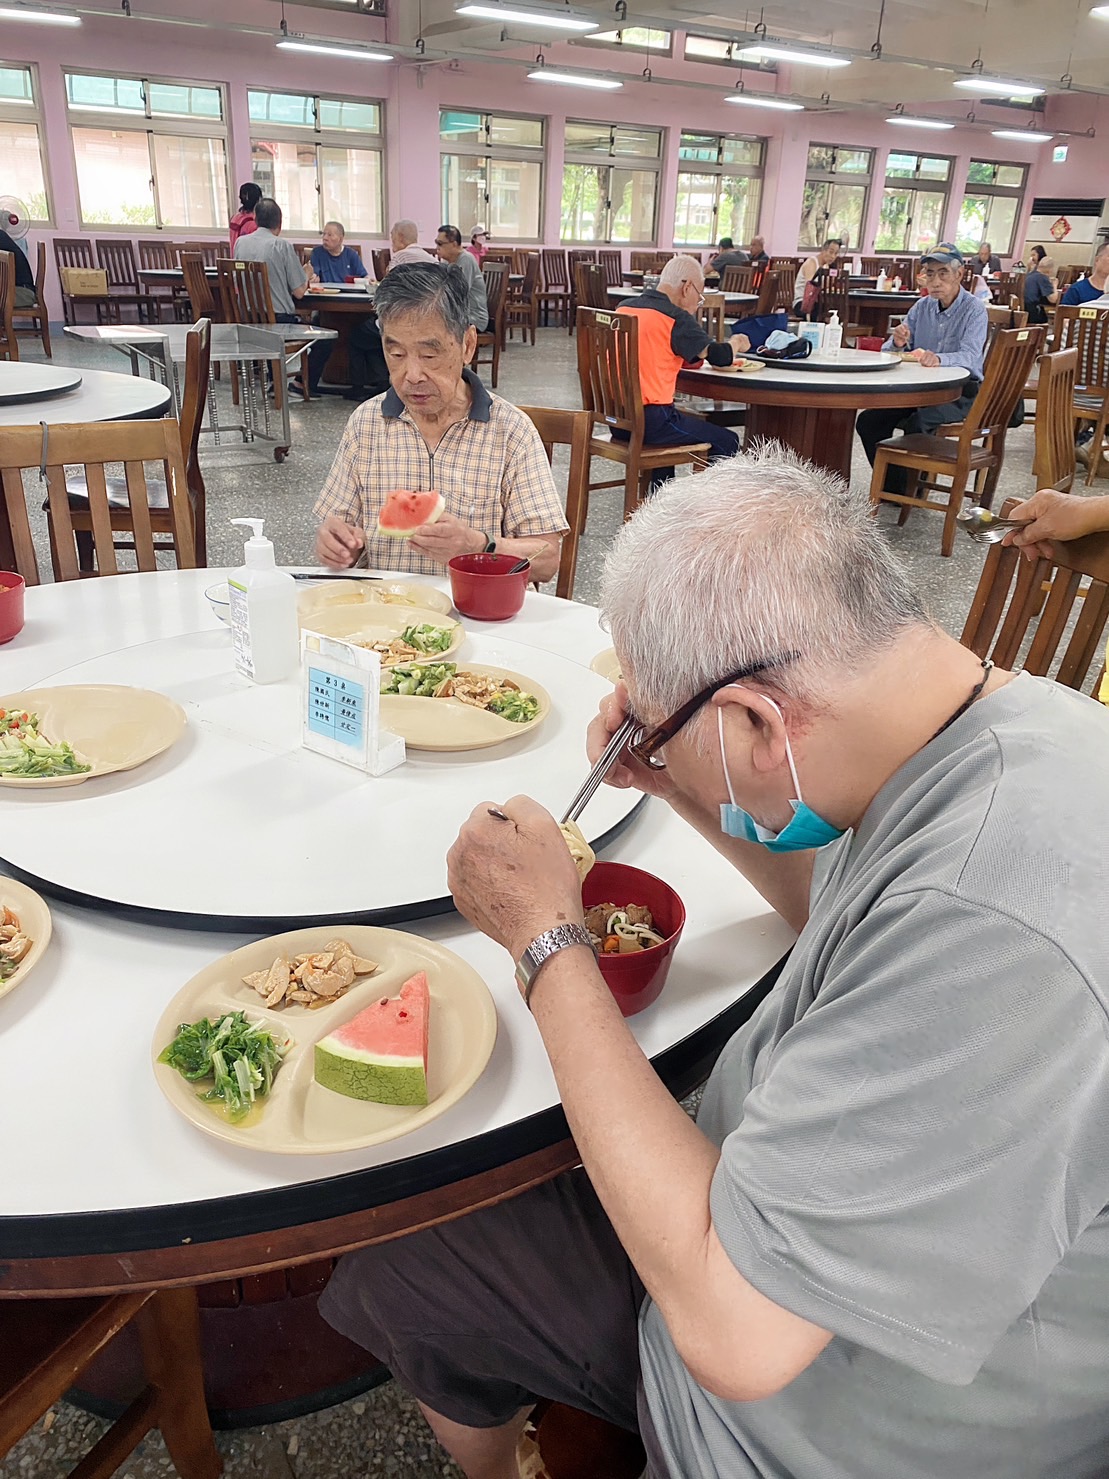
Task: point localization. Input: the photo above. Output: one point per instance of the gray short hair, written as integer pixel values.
(339, 227)
(425, 287)
(406, 230)
(681, 269)
(762, 557)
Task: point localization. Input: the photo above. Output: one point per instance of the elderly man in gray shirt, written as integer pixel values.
(882, 1251)
(448, 243)
(287, 278)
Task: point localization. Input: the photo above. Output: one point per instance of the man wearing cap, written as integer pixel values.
(945, 327)
(477, 247)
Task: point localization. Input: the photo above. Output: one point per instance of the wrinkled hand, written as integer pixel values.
(926, 357)
(338, 544)
(902, 335)
(1055, 516)
(740, 343)
(627, 773)
(513, 880)
(446, 538)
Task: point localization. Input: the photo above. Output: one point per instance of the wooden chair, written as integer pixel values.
(613, 263)
(573, 257)
(117, 257)
(523, 300)
(642, 261)
(1002, 316)
(590, 285)
(968, 449)
(380, 257)
(1086, 329)
(1053, 460)
(245, 293)
(157, 256)
(198, 288)
(37, 312)
(790, 266)
(211, 251)
(9, 348)
(92, 446)
(738, 280)
(608, 371)
(46, 1343)
(194, 395)
(76, 251)
(835, 297)
(1009, 607)
(871, 266)
(711, 314)
(496, 283)
(1006, 285)
(775, 293)
(573, 429)
(555, 292)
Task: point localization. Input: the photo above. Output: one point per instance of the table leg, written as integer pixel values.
(824, 437)
(337, 369)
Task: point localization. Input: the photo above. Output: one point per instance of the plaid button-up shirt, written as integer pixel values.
(490, 469)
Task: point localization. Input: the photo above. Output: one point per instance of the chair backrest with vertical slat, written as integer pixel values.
(194, 396)
(381, 257)
(871, 266)
(73, 251)
(1009, 599)
(245, 290)
(1008, 367)
(835, 297)
(1053, 461)
(643, 261)
(197, 285)
(9, 347)
(555, 277)
(496, 281)
(1002, 316)
(528, 263)
(613, 263)
(608, 369)
(590, 286)
(572, 429)
(786, 265)
(118, 260)
(132, 443)
(1086, 329)
(738, 280)
(40, 275)
(157, 255)
(211, 251)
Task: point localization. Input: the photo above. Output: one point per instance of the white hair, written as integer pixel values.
(681, 269)
(761, 559)
(406, 231)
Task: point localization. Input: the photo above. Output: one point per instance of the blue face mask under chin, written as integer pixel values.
(804, 830)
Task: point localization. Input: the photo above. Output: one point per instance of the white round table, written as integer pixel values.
(22, 382)
(99, 395)
(104, 1184)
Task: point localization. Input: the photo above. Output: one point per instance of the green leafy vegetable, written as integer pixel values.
(242, 1057)
(27, 754)
(427, 638)
(415, 679)
(512, 704)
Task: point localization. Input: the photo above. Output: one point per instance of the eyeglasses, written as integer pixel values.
(651, 741)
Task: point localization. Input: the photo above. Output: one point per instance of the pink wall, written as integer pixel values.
(413, 94)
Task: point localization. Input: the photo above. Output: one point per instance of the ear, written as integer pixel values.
(469, 344)
(764, 721)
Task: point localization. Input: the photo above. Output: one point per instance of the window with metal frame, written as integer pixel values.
(322, 158)
(719, 188)
(631, 38)
(914, 202)
(148, 151)
(837, 187)
(991, 206)
(610, 183)
(21, 141)
(491, 173)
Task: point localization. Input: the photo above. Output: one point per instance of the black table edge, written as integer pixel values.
(74, 1234)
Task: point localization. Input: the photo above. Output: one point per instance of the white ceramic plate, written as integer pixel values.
(400, 593)
(34, 920)
(110, 727)
(449, 725)
(369, 622)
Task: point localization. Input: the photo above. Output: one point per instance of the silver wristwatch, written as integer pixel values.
(549, 943)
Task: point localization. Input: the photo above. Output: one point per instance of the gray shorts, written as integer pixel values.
(480, 1317)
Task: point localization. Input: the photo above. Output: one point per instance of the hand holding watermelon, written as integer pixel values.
(447, 537)
(338, 544)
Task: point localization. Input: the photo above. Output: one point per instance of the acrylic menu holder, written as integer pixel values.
(341, 706)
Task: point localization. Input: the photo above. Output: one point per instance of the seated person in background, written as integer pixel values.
(448, 243)
(437, 427)
(882, 1249)
(1094, 286)
(334, 262)
(669, 338)
(949, 327)
(24, 277)
(479, 246)
(288, 279)
(729, 255)
(985, 262)
(1036, 255)
(402, 239)
(814, 270)
(757, 252)
(1040, 292)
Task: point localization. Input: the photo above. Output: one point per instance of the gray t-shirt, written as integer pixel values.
(475, 284)
(283, 266)
(914, 1129)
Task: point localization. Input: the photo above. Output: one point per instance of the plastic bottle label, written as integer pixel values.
(240, 628)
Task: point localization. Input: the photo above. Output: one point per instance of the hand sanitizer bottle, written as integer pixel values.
(264, 629)
(833, 336)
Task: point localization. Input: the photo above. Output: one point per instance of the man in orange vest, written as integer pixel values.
(670, 338)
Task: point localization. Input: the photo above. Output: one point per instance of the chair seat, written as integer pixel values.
(157, 495)
(616, 451)
(922, 446)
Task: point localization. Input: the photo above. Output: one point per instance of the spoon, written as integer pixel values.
(984, 527)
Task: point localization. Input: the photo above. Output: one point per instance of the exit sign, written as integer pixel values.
(1059, 154)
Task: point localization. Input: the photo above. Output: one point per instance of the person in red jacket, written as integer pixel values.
(243, 222)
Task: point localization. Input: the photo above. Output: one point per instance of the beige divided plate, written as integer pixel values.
(448, 724)
(367, 623)
(298, 1117)
(398, 593)
(607, 664)
(34, 920)
(109, 726)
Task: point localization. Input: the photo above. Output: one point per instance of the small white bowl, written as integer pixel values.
(220, 601)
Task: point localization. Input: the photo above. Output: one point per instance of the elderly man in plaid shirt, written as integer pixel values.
(437, 427)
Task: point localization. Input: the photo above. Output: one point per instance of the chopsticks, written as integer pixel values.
(336, 575)
(612, 753)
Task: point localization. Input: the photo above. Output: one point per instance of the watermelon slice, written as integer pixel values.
(403, 513)
(381, 1054)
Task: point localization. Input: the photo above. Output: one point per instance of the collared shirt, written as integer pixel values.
(410, 254)
(337, 269)
(475, 287)
(956, 334)
(283, 266)
(490, 468)
(669, 338)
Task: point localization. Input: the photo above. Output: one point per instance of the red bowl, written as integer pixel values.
(636, 979)
(481, 586)
(11, 605)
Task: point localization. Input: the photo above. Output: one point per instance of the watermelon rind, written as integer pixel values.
(387, 526)
(357, 1077)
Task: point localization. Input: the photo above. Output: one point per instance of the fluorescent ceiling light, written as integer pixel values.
(46, 17)
(559, 20)
(776, 53)
(573, 79)
(903, 118)
(1023, 134)
(351, 51)
(1101, 11)
(757, 100)
(1001, 87)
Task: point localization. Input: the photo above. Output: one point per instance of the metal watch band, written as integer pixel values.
(549, 943)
